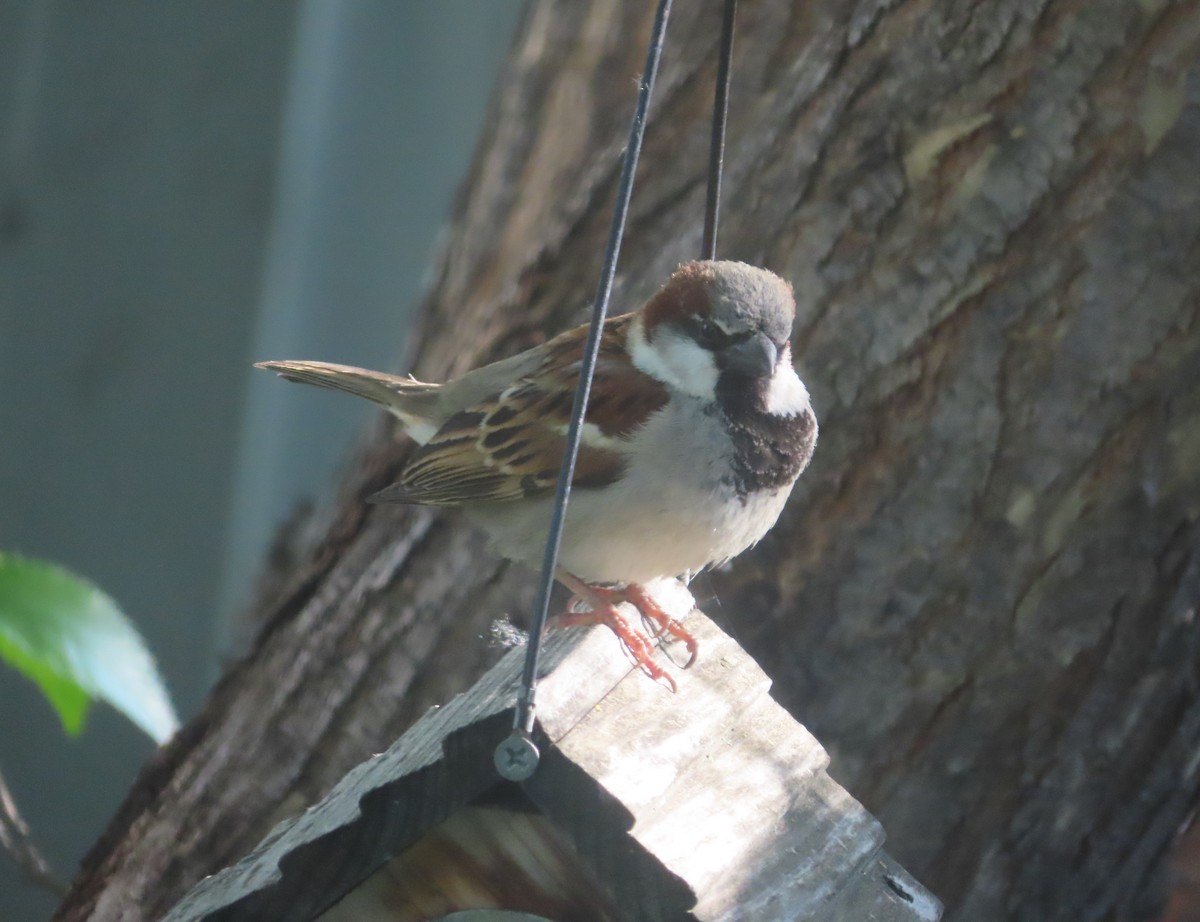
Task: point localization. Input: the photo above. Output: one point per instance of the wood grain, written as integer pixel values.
(712, 805)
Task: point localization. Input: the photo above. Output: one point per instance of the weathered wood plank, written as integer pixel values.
(725, 792)
(884, 892)
(481, 857)
(594, 669)
(728, 790)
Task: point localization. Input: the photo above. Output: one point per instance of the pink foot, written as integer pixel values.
(637, 644)
(602, 604)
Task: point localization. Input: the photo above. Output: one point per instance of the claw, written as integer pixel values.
(636, 644)
(600, 607)
(640, 599)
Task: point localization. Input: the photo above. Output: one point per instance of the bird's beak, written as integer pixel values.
(754, 357)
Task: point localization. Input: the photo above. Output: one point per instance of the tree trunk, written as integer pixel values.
(982, 595)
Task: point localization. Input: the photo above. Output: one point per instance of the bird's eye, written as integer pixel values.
(707, 332)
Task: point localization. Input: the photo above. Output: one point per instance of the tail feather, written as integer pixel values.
(413, 402)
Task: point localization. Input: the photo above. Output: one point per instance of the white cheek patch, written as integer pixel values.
(674, 360)
(786, 394)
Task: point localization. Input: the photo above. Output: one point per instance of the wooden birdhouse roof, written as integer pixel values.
(709, 804)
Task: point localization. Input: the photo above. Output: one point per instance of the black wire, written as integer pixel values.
(525, 702)
(716, 154)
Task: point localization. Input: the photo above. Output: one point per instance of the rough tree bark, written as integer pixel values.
(982, 597)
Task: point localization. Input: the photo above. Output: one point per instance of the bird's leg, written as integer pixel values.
(603, 611)
(637, 596)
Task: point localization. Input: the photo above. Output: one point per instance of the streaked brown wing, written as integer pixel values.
(510, 446)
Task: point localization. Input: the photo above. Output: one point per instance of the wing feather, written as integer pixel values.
(510, 445)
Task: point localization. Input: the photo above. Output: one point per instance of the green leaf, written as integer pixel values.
(72, 640)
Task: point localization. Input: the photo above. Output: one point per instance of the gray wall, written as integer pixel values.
(184, 188)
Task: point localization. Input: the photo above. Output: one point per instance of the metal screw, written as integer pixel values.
(516, 758)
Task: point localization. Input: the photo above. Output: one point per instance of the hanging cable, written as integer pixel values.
(516, 758)
(716, 155)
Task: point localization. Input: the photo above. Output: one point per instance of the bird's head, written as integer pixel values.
(715, 325)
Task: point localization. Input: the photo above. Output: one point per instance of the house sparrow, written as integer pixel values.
(696, 430)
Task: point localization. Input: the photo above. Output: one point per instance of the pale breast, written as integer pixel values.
(676, 509)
